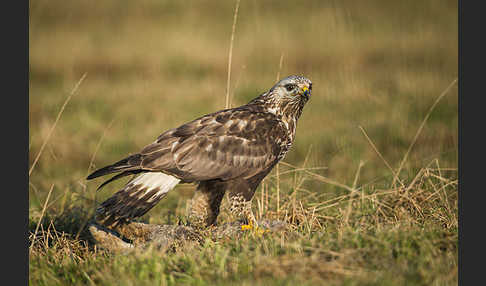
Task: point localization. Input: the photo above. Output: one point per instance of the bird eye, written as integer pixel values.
(290, 86)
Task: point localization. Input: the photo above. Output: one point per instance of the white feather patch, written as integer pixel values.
(242, 124)
(272, 110)
(209, 148)
(153, 180)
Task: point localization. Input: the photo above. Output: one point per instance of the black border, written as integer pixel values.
(471, 118)
(15, 134)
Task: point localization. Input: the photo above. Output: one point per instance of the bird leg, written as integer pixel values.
(205, 203)
(240, 208)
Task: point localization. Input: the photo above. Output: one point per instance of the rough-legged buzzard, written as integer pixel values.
(231, 150)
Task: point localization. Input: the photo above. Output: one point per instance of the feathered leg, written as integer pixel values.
(240, 195)
(240, 209)
(206, 202)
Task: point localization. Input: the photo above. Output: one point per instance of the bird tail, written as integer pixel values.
(135, 199)
(128, 164)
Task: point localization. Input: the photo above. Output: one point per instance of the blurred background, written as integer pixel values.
(153, 65)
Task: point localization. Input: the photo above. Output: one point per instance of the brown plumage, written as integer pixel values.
(231, 150)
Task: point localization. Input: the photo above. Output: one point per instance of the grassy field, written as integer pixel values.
(369, 188)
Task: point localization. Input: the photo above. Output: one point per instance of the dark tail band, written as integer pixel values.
(130, 163)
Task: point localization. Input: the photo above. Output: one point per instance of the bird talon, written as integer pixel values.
(247, 226)
(254, 227)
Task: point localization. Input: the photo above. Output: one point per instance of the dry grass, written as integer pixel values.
(369, 187)
(363, 236)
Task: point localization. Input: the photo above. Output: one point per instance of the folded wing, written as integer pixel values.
(236, 143)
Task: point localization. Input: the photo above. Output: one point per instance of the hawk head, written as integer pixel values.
(292, 88)
(287, 97)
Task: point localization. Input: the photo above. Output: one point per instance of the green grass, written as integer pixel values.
(154, 65)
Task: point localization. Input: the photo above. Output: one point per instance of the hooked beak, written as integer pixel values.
(306, 92)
